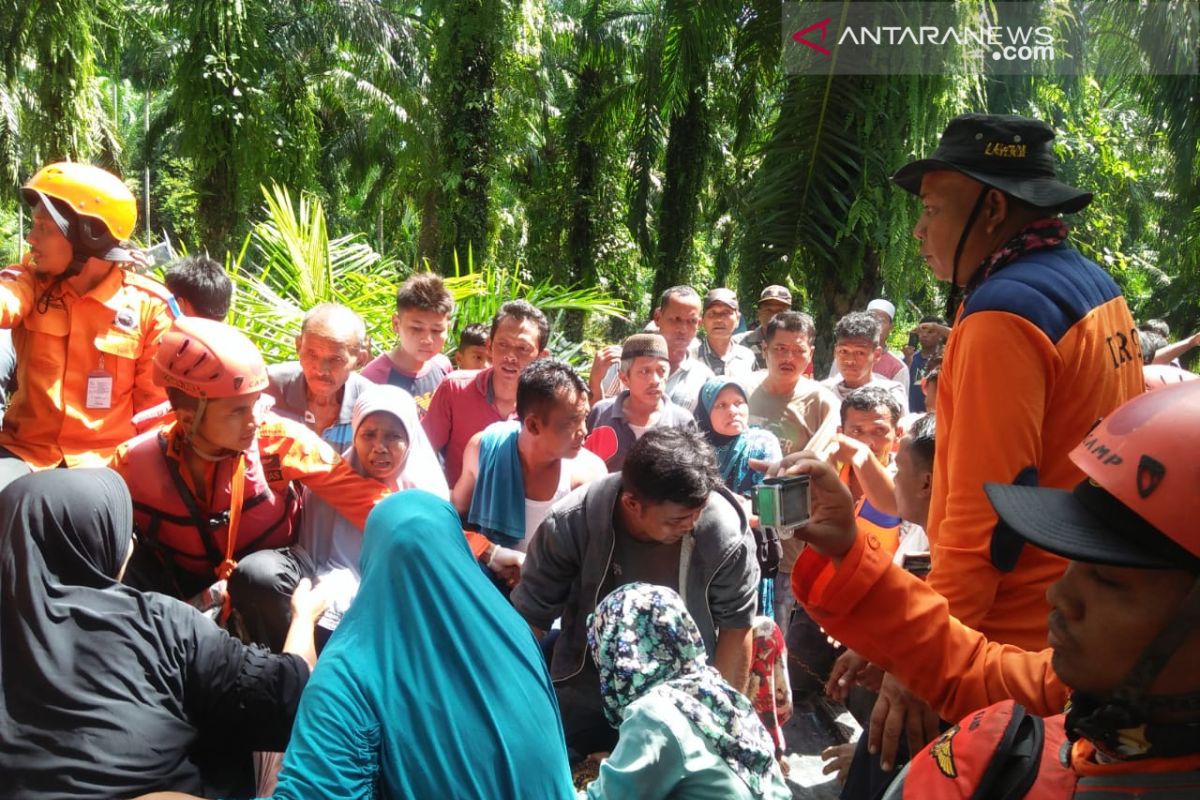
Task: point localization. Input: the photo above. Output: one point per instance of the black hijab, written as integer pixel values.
(91, 672)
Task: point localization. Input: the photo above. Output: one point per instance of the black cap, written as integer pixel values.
(1009, 153)
(1086, 524)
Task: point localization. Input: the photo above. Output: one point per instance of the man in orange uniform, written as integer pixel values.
(1042, 347)
(85, 330)
(213, 491)
(1123, 637)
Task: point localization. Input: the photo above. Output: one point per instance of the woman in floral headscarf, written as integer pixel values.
(685, 732)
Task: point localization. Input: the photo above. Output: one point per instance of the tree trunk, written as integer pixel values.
(585, 174)
(687, 148)
(464, 76)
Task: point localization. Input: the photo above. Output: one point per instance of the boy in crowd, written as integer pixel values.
(773, 300)
(513, 472)
(801, 413)
(467, 401)
(321, 388)
(678, 320)
(200, 287)
(213, 492)
(865, 443)
(856, 351)
(931, 337)
(717, 350)
(664, 519)
(421, 324)
(643, 403)
(472, 348)
(84, 328)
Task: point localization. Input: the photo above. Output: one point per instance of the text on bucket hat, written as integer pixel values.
(1010, 153)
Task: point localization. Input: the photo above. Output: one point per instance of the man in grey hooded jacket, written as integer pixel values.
(665, 519)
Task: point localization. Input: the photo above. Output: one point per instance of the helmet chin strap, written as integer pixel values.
(955, 295)
(1131, 704)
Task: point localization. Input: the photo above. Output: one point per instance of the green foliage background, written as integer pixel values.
(607, 146)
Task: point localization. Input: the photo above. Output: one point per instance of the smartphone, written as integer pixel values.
(913, 341)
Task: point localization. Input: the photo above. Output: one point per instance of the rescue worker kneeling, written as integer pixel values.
(1124, 644)
(214, 492)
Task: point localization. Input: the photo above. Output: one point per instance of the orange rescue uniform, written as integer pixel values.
(286, 450)
(899, 623)
(1041, 351)
(107, 338)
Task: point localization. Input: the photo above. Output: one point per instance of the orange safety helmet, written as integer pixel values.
(208, 360)
(104, 210)
(1139, 505)
(1138, 509)
(1160, 375)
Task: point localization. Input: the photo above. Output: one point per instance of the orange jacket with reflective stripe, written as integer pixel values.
(285, 451)
(113, 329)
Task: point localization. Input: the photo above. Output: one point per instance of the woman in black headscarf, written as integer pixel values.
(106, 691)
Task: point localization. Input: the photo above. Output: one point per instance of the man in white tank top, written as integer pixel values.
(546, 442)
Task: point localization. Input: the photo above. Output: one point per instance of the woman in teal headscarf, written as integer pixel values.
(685, 732)
(723, 414)
(432, 686)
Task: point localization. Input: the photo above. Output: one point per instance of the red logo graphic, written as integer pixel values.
(824, 26)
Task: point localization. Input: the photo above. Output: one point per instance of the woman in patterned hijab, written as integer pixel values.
(684, 731)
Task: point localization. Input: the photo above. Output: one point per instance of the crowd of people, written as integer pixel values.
(357, 575)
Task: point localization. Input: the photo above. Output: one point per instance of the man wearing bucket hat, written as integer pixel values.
(84, 329)
(1043, 345)
(1123, 631)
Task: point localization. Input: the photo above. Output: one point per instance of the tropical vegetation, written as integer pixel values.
(606, 148)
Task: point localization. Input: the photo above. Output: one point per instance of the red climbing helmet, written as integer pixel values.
(209, 360)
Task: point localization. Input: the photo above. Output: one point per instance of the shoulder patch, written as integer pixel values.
(148, 285)
(1053, 289)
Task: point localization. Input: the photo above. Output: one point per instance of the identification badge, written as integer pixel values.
(99, 389)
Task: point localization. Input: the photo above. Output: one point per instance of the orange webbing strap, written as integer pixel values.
(236, 493)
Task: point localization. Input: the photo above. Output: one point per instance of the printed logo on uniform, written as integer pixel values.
(126, 320)
(942, 751)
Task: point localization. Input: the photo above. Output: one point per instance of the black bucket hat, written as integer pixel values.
(1009, 153)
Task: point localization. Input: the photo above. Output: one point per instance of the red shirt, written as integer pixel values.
(461, 407)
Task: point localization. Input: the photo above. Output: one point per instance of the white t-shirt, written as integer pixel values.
(536, 510)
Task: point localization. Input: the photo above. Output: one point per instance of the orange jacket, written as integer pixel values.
(900, 623)
(287, 451)
(1041, 350)
(112, 330)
